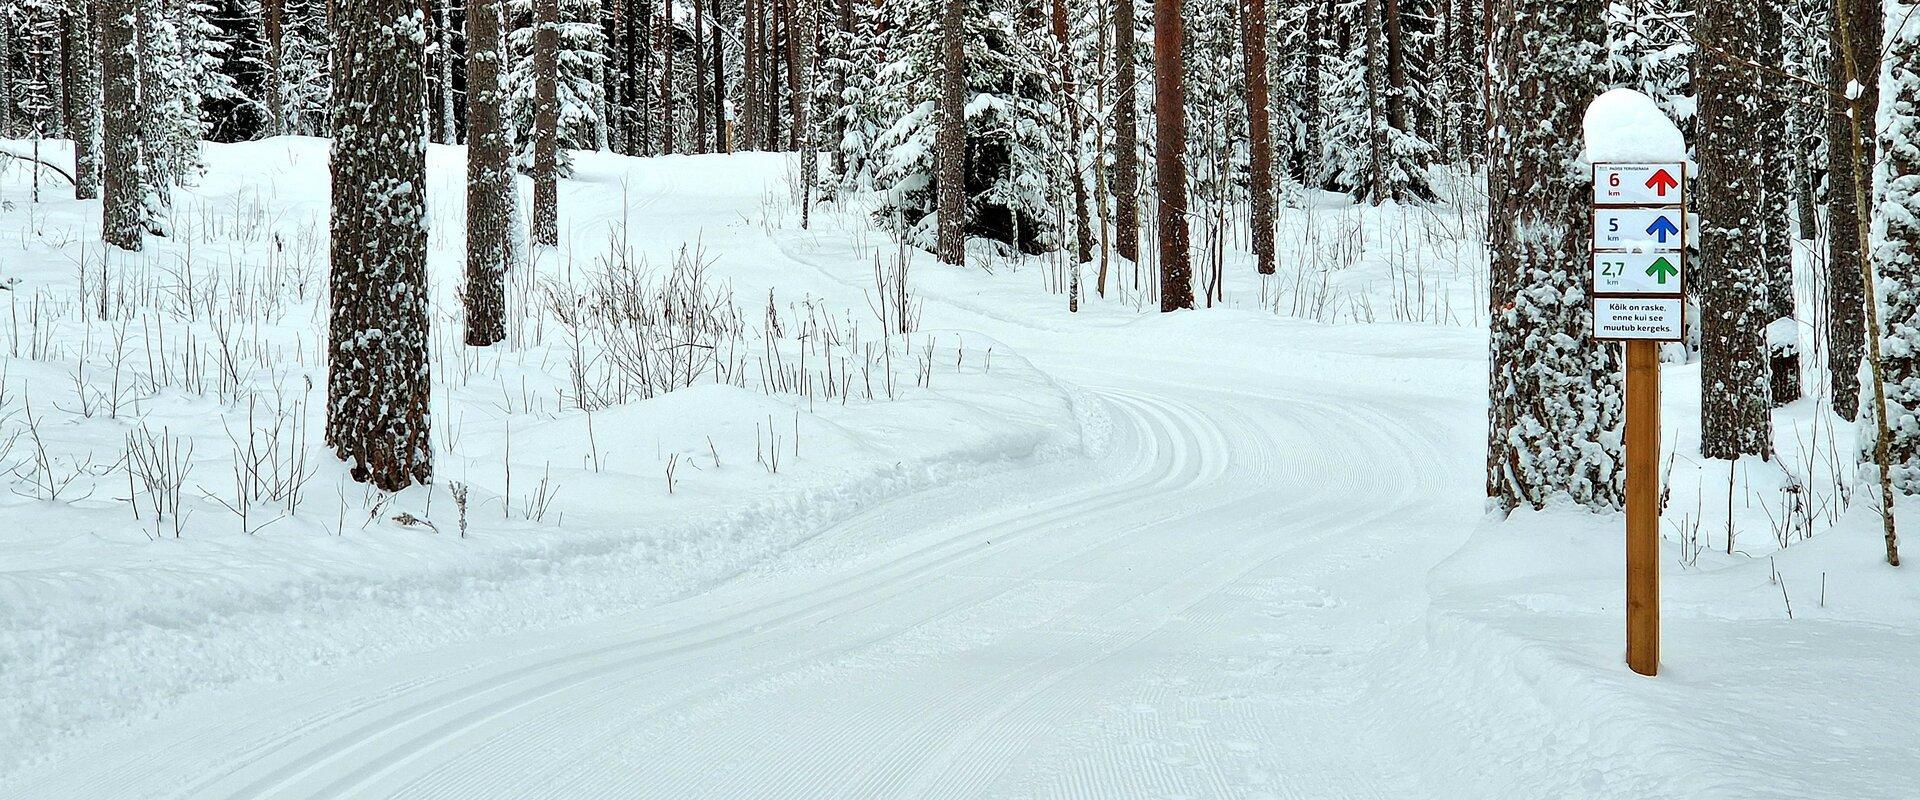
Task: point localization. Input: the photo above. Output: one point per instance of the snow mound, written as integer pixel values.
(1625, 125)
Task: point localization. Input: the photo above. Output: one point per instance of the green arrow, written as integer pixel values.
(1661, 268)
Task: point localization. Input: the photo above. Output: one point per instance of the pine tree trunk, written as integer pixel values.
(1846, 293)
(273, 26)
(1310, 170)
(378, 381)
(721, 141)
(750, 74)
(1126, 133)
(1735, 388)
(950, 140)
(81, 64)
(1070, 98)
(1253, 43)
(1776, 199)
(1555, 405)
(669, 42)
(699, 76)
(546, 123)
(796, 97)
(123, 218)
(490, 191)
(443, 50)
(1170, 155)
(155, 134)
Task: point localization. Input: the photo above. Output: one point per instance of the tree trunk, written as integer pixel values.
(443, 48)
(1735, 390)
(950, 140)
(274, 28)
(1170, 155)
(669, 42)
(546, 123)
(1313, 118)
(378, 378)
(1126, 133)
(1070, 98)
(1253, 43)
(699, 76)
(1776, 200)
(491, 196)
(1846, 293)
(82, 68)
(750, 74)
(123, 218)
(721, 141)
(1555, 405)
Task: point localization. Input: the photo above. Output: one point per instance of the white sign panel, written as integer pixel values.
(1653, 318)
(1637, 229)
(1638, 184)
(1637, 273)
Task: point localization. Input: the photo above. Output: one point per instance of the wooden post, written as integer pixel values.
(1643, 506)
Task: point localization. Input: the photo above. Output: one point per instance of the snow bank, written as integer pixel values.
(1625, 125)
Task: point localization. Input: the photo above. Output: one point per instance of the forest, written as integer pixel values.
(418, 323)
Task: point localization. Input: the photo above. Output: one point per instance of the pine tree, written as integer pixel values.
(82, 68)
(950, 141)
(492, 214)
(1846, 291)
(1735, 390)
(1126, 132)
(123, 210)
(1170, 160)
(378, 380)
(1555, 393)
(1776, 199)
(546, 122)
(1254, 43)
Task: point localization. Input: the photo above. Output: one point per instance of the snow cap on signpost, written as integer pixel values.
(1625, 125)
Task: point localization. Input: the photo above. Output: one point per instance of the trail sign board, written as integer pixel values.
(1639, 229)
(1658, 319)
(1639, 184)
(1640, 273)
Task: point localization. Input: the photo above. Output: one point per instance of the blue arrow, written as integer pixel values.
(1662, 228)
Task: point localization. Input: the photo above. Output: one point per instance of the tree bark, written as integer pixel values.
(950, 140)
(123, 219)
(1735, 387)
(699, 76)
(1126, 133)
(1070, 98)
(1170, 156)
(1253, 43)
(546, 123)
(1846, 293)
(669, 42)
(1555, 404)
(378, 379)
(81, 65)
(491, 196)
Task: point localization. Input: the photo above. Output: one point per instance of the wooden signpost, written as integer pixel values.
(1638, 285)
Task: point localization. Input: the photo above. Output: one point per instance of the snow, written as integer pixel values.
(1622, 125)
(1240, 552)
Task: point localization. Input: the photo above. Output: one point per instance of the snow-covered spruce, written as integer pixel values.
(1896, 257)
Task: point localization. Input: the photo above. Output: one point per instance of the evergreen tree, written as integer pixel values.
(378, 377)
(492, 200)
(1555, 406)
(1735, 391)
(1170, 159)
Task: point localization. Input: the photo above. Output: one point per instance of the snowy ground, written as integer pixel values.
(1235, 553)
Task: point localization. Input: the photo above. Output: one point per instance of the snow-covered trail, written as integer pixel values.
(1226, 599)
(1202, 616)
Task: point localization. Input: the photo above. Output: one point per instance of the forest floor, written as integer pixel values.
(1016, 552)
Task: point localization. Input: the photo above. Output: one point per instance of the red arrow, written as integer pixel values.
(1661, 182)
